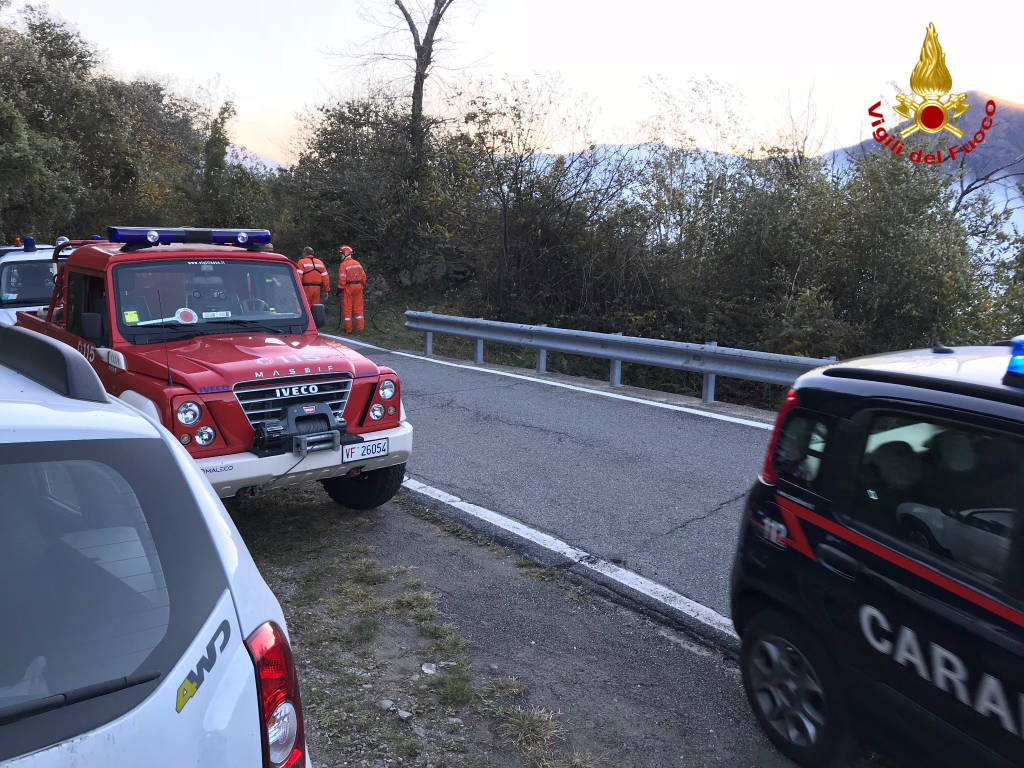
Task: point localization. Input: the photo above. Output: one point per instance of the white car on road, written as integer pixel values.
(137, 629)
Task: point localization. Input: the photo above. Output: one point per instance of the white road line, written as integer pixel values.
(634, 581)
(562, 385)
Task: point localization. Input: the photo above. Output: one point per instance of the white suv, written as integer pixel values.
(26, 279)
(137, 629)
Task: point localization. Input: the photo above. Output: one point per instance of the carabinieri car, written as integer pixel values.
(878, 585)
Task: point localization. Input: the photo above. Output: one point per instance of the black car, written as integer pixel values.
(878, 586)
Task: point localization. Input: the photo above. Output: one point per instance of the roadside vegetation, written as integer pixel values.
(387, 677)
(699, 234)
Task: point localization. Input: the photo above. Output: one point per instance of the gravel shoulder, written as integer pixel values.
(421, 643)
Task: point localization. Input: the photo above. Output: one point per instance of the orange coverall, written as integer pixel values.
(351, 279)
(314, 279)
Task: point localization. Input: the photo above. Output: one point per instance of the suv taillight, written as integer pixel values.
(768, 471)
(284, 741)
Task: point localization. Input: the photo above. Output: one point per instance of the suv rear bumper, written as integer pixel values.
(230, 474)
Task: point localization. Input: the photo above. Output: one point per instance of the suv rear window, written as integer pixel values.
(109, 571)
(943, 489)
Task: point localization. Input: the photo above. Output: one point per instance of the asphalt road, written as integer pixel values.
(658, 491)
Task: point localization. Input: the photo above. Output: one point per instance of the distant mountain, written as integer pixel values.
(1003, 142)
(238, 155)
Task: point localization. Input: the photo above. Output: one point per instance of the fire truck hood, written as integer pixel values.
(222, 361)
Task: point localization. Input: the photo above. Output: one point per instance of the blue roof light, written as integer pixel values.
(1015, 370)
(166, 235)
(29, 243)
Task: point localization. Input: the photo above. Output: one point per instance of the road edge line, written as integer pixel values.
(705, 623)
(563, 385)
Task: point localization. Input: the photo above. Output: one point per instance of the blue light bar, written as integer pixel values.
(1015, 370)
(167, 235)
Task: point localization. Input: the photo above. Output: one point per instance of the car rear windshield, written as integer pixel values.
(203, 296)
(108, 572)
(26, 283)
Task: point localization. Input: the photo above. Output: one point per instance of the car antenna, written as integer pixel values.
(937, 346)
(163, 327)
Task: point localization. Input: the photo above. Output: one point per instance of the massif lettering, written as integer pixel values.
(943, 669)
(896, 146)
(295, 371)
(191, 684)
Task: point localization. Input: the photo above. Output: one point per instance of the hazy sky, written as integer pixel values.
(277, 59)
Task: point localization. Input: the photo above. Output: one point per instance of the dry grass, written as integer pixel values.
(502, 688)
(455, 688)
(528, 729)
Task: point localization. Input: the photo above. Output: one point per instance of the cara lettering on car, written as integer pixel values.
(946, 670)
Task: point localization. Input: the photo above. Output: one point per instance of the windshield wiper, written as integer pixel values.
(37, 706)
(260, 325)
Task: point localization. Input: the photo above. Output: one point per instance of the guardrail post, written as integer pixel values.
(707, 393)
(479, 356)
(542, 356)
(429, 343)
(616, 372)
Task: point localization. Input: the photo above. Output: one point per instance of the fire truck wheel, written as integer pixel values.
(368, 490)
(795, 691)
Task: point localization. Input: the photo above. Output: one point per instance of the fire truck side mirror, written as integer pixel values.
(319, 315)
(92, 327)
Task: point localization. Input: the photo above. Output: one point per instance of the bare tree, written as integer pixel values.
(423, 46)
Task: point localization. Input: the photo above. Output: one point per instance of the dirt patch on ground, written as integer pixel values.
(388, 678)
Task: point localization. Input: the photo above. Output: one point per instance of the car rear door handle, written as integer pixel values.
(839, 562)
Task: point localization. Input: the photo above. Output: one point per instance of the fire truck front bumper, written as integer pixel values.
(248, 473)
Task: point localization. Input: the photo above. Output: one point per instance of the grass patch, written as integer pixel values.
(450, 527)
(367, 571)
(362, 632)
(455, 689)
(413, 584)
(418, 606)
(577, 594)
(504, 687)
(446, 637)
(529, 729)
(537, 571)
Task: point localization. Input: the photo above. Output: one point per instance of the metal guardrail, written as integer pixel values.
(708, 359)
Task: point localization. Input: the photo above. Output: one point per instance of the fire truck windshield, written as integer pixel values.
(206, 296)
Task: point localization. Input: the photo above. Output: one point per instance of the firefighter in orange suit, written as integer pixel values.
(314, 277)
(351, 279)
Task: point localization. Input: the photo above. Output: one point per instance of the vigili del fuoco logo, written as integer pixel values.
(934, 113)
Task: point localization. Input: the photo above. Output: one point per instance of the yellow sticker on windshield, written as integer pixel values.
(131, 316)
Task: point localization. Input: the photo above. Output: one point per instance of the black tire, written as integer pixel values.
(795, 692)
(367, 490)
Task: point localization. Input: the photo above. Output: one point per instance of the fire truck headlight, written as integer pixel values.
(189, 413)
(205, 435)
(377, 412)
(387, 389)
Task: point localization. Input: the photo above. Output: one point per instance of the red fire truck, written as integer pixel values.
(211, 333)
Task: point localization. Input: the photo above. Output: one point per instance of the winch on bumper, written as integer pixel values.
(285, 458)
